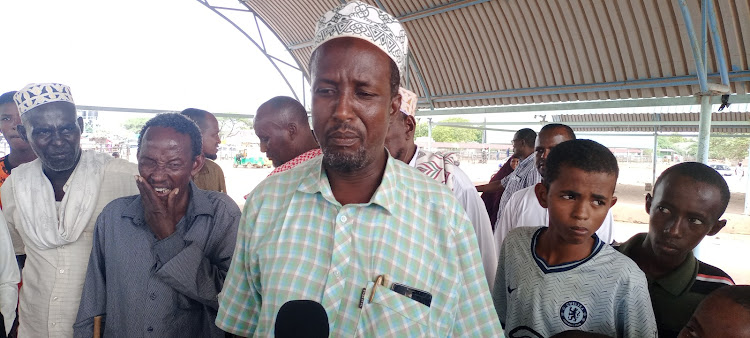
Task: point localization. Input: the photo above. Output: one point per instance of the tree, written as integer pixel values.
(231, 126)
(728, 148)
(135, 124)
(453, 134)
(421, 130)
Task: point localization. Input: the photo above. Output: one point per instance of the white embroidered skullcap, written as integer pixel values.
(37, 94)
(359, 20)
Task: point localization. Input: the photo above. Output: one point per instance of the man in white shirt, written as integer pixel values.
(441, 167)
(522, 208)
(51, 205)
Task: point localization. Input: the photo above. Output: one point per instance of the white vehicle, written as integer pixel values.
(723, 169)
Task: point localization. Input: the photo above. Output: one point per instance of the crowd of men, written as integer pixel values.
(356, 232)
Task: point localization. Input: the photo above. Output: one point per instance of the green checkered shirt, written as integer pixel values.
(297, 242)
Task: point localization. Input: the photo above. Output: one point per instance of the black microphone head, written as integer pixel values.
(301, 318)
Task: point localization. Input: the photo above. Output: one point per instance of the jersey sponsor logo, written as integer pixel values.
(524, 332)
(573, 313)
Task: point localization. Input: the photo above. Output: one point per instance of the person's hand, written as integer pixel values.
(161, 216)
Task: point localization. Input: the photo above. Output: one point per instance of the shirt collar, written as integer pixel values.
(316, 181)
(199, 204)
(676, 282)
(413, 162)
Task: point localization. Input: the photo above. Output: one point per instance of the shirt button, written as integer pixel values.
(62, 270)
(337, 274)
(53, 324)
(344, 219)
(150, 329)
(152, 296)
(54, 298)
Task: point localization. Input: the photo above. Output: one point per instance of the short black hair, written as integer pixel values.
(739, 294)
(285, 107)
(571, 135)
(197, 115)
(586, 155)
(701, 173)
(395, 80)
(527, 135)
(7, 97)
(180, 124)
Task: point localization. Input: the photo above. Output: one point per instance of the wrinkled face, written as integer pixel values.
(210, 133)
(165, 160)
(54, 133)
(275, 140)
(718, 316)
(399, 139)
(351, 102)
(9, 121)
(682, 212)
(545, 141)
(578, 202)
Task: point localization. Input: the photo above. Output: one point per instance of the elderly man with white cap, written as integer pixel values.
(444, 169)
(51, 205)
(383, 249)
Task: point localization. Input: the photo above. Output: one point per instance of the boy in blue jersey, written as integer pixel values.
(562, 277)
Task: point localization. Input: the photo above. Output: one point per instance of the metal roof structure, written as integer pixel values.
(469, 53)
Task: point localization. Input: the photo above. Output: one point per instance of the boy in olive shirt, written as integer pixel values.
(688, 200)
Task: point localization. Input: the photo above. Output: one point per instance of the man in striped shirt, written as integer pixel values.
(688, 200)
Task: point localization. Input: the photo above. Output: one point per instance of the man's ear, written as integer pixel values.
(197, 165)
(717, 227)
(649, 198)
(80, 124)
(291, 128)
(614, 201)
(411, 126)
(395, 105)
(541, 194)
(22, 132)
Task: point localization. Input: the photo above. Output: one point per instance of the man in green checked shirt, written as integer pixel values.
(331, 228)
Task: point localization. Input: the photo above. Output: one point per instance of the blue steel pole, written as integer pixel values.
(697, 53)
(718, 45)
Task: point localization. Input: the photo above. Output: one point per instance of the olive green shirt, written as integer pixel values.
(676, 295)
(211, 177)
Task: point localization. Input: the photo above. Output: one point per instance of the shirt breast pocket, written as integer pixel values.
(393, 314)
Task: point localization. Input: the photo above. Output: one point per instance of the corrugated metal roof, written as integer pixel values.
(731, 122)
(495, 52)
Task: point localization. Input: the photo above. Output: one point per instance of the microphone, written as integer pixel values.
(301, 318)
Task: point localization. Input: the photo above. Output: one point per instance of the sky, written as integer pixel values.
(165, 54)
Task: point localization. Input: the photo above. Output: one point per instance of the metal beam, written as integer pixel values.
(696, 48)
(451, 6)
(737, 76)
(152, 111)
(260, 48)
(718, 44)
(543, 107)
(599, 123)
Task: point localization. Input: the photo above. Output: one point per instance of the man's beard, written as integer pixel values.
(343, 162)
(211, 156)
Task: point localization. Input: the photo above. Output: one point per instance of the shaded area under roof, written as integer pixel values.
(468, 53)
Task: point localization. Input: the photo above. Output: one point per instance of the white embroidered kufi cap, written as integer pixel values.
(37, 94)
(359, 20)
(408, 101)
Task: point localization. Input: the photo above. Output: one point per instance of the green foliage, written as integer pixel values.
(728, 148)
(135, 124)
(421, 130)
(453, 134)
